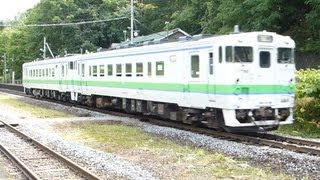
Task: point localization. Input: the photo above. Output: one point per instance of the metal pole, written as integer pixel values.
(132, 17)
(5, 68)
(44, 47)
(13, 77)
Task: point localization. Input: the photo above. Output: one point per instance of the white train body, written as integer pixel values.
(238, 81)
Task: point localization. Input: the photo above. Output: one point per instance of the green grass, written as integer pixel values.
(303, 129)
(34, 110)
(188, 162)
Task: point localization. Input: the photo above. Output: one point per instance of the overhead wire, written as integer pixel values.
(63, 24)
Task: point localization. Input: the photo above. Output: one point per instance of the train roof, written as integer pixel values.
(197, 40)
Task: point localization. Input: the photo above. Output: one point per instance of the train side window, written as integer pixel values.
(62, 70)
(139, 69)
(90, 71)
(211, 63)
(119, 70)
(94, 71)
(195, 66)
(160, 68)
(229, 54)
(128, 70)
(79, 69)
(71, 65)
(110, 70)
(53, 72)
(47, 72)
(101, 70)
(220, 54)
(82, 70)
(264, 59)
(149, 69)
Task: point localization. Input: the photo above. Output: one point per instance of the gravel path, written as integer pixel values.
(111, 166)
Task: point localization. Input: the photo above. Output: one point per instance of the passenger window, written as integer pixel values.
(220, 54)
(82, 70)
(90, 71)
(128, 70)
(264, 59)
(62, 69)
(119, 70)
(110, 70)
(101, 70)
(53, 72)
(139, 69)
(94, 71)
(149, 69)
(71, 65)
(211, 63)
(160, 68)
(229, 54)
(195, 68)
(47, 72)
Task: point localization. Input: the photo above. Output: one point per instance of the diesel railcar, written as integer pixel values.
(238, 82)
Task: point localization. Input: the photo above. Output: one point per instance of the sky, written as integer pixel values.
(10, 8)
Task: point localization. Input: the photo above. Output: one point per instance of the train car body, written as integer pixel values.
(239, 82)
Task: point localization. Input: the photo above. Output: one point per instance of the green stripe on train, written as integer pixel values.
(201, 88)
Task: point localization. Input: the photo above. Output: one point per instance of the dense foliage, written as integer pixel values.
(297, 18)
(307, 105)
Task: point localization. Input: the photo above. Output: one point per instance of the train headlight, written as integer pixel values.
(265, 38)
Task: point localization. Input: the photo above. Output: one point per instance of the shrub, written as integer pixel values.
(307, 109)
(308, 83)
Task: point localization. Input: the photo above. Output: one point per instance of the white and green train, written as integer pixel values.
(238, 82)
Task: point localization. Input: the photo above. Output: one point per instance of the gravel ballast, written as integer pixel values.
(111, 166)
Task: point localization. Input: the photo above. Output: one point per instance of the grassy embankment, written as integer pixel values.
(164, 155)
(35, 111)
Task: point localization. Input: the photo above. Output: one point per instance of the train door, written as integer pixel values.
(192, 76)
(73, 74)
(266, 71)
(62, 81)
(83, 83)
(211, 87)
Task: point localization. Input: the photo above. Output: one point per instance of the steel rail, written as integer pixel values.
(288, 139)
(25, 170)
(67, 161)
(240, 137)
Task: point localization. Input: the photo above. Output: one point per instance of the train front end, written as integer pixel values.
(258, 93)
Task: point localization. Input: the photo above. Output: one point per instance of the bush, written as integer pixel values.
(307, 109)
(308, 83)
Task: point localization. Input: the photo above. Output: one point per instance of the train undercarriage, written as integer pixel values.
(210, 117)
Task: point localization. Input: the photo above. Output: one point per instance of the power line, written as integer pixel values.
(63, 24)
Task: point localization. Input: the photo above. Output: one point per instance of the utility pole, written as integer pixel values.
(132, 18)
(44, 47)
(5, 68)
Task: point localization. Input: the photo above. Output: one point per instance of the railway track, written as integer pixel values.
(36, 160)
(266, 139)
